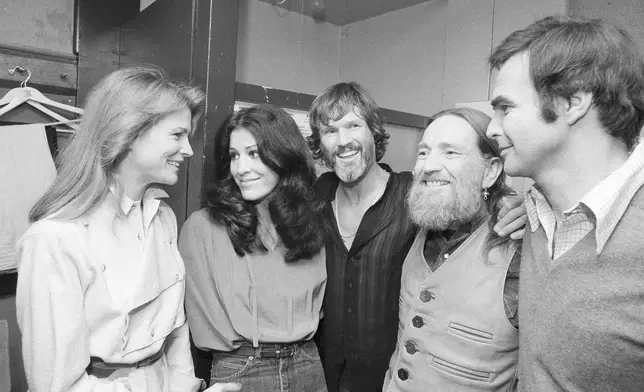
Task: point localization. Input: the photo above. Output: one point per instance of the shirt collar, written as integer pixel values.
(266, 229)
(532, 197)
(152, 194)
(607, 201)
(458, 231)
(467, 227)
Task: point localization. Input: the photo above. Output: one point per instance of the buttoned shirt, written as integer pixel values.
(258, 297)
(108, 285)
(601, 208)
(360, 324)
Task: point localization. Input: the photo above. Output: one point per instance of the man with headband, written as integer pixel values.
(458, 326)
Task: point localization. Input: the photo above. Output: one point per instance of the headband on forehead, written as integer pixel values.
(467, 114)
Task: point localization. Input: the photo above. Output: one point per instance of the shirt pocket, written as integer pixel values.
(460, 372)
(469, 333)
(155, 319)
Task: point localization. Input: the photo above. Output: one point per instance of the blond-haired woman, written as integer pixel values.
(101, 282)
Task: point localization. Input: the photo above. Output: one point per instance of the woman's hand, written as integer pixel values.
(224, 387)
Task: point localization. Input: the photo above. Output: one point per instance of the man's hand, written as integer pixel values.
(224, 387)
(512, 217)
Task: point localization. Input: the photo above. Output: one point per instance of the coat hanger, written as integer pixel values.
(29, 95)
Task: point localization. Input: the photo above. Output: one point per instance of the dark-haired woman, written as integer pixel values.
(255, 259)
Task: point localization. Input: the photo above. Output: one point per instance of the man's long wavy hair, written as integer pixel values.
(121, 107)
(334, 103)
(292, 205)
(489, 149)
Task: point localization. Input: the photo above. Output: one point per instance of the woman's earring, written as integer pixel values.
(486, 194)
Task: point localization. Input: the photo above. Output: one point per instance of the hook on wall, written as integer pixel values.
(21, 70)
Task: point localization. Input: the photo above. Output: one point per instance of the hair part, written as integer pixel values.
(338, 100)
(293, 207)
(568, 55)
(489, 149)
(119, 109)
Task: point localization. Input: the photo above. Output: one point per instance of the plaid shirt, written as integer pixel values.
(600, 209)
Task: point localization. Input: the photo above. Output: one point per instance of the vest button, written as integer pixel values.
(411, 347)
(403, 374)
(426, 296)
(417, 321)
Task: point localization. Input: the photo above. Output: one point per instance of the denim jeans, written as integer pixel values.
(301, 372)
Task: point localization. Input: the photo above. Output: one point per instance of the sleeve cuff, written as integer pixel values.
(180, 382)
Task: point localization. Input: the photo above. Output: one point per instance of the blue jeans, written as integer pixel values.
(301, 372)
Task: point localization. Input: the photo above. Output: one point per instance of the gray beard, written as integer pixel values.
(437, 211)
(351, 174)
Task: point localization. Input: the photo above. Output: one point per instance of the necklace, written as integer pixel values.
(348, 235)
(337, 220)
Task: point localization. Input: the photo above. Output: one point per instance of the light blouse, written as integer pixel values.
(108, 285)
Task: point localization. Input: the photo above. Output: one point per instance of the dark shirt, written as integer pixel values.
(439, 245)
(360, 326)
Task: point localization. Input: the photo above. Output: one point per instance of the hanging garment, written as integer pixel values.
(27, 170)
(5, 379)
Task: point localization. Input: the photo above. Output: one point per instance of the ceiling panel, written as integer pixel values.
(343, 12)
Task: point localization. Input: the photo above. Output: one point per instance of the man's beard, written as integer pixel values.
(436, 210)
(350, 173)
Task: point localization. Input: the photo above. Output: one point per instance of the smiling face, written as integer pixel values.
(254, 178)
(348, 147)
(449, 175)
(528, 143)
(155, 156)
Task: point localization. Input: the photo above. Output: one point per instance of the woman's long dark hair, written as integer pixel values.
(293, 208)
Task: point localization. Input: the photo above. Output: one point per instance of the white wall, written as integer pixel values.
(467, 43)
(402, 147)
(398, 56)
(626, 13)
(430, 56)
(285, 50)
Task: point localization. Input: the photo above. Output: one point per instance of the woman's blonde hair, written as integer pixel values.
(119, 109)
